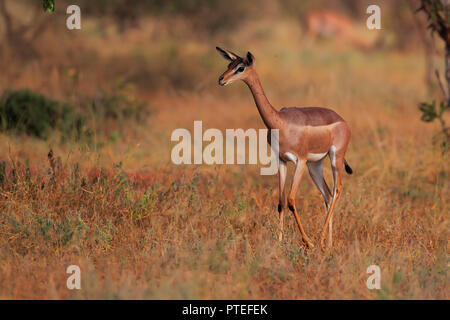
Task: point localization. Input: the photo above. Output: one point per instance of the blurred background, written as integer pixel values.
(86, 177)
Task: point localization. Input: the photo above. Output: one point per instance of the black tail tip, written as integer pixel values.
(347, 168)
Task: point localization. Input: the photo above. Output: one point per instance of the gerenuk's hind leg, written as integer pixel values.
(299, 169)
(337, 162)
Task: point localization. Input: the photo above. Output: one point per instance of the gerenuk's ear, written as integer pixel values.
(250, 59)
(227, 54)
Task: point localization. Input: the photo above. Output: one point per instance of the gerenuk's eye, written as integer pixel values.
(240, 69)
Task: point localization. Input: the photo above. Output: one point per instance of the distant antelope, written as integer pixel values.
(330, 24)
(306, 136)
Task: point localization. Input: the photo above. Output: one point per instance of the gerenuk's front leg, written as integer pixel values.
(282, 169)
(299, 169)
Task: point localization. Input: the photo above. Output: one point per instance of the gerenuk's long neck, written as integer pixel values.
(268, 113)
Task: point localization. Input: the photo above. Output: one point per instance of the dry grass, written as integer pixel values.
(141, 227)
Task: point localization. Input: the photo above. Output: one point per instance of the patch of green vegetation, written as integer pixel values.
(293, 251)
(120, 102)
(28, 112)
(217, 259)
(104, 235)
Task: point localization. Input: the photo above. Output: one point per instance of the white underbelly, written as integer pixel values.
(316, 156)
(313, 157)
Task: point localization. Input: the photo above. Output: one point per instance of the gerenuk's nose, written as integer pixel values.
(220, 80)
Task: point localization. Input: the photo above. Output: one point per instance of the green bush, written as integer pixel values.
(120, 102)
(25, 111)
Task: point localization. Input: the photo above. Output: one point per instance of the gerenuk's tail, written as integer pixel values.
(347, 167)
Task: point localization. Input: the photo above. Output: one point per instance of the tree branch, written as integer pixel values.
(441, 84)
(7, 19)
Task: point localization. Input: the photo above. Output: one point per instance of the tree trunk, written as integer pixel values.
(447, 70)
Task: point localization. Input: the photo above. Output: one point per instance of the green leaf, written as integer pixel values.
(48, 5)
(429, 111)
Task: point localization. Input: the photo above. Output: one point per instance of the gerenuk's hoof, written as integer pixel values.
(308, 243)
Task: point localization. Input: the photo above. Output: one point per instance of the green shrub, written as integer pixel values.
(25, 111)
(120, 102)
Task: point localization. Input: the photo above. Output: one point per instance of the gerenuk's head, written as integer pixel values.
(238, 68)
